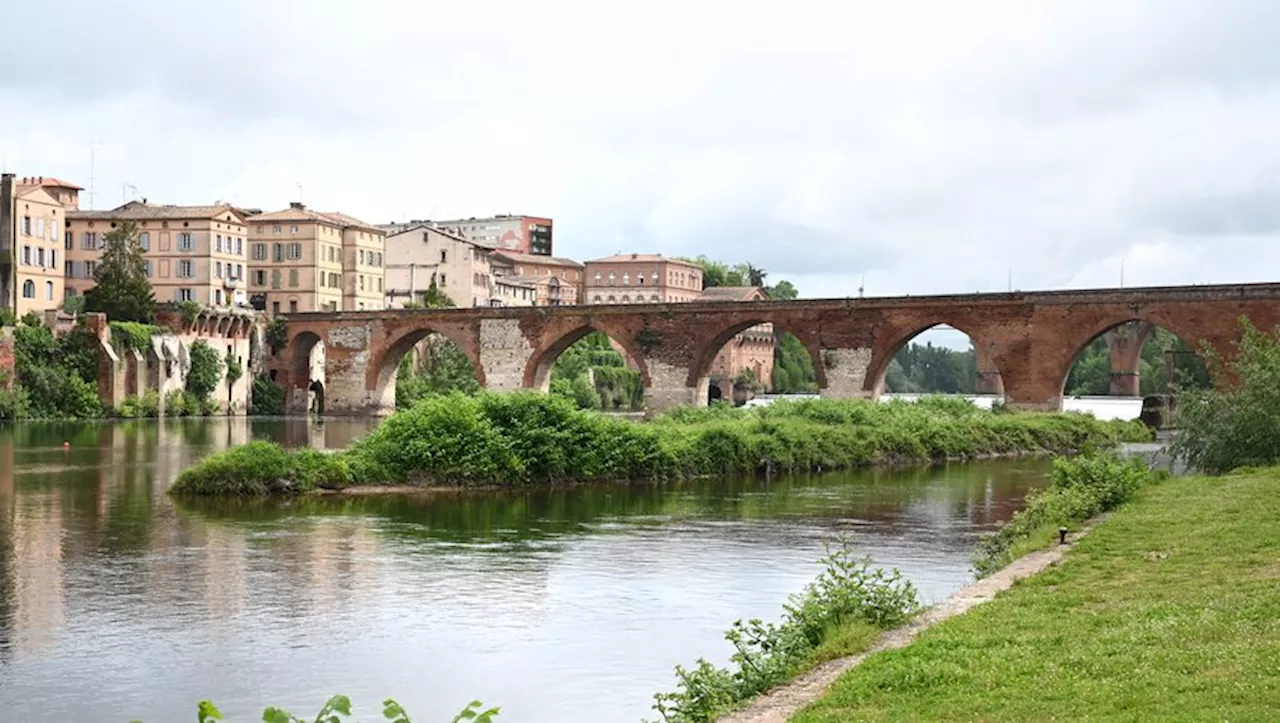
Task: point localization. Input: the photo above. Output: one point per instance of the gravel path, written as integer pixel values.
(781, 703)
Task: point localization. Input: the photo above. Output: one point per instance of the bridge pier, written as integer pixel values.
(846, 371)
(1125, 346)
(989, 381)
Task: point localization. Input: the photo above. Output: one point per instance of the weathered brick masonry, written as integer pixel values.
(1026, 342)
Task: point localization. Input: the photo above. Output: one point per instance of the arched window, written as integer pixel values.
(626, 278)
(626, 299)
(653, 298)
(612, 300)
(48, 291)
(597, 299)
(612, 278)
(28, 289)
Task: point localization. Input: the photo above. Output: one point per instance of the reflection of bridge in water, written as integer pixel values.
(1024, 343)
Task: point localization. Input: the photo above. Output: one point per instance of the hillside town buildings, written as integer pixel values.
(192, 253)
(641, 279)
(305, 260)
(32, 222)
(557, 281)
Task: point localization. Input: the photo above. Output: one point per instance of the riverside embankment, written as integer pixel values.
(528, 438)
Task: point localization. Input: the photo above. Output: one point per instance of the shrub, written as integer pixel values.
(847, 591)
(131, 335)
(340, 705)
(206, 370)
(189, 310)
(259, 468)
(234, 369)
(13, 400)
(1240, 425)
(135, 407)
(267, 399)
(277, 334)
(1081, 488)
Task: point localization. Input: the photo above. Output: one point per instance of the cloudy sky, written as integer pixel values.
(930, 146)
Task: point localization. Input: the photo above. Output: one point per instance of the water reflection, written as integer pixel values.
(116, 603)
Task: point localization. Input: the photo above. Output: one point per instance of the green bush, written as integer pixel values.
(268, 398)
(1238, 426)
(13, 400)
(260, 468)
(131, 335)
(135, 407)
(1082, 487)
(340, 705)
(847, 591)
(206, 370)
(277, 334)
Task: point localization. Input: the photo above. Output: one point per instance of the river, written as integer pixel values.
(557, 604)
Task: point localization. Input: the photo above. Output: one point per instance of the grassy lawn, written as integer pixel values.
(1168, 611)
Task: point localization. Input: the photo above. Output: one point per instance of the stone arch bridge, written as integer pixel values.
(1025, 342)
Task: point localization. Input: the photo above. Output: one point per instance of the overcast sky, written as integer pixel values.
(930, 146)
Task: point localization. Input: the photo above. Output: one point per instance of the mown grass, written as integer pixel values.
(1170, 610)
(521, 438)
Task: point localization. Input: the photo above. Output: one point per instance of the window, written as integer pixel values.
(655, 277)
(260, 277)
(612, 278)
(217, 297)
(597, 299)
(362, 282)
(626, 299)
(295, 251)
(640, 278)
(379, 284)
(611, 299)
(89, 241)
(186, 295)
(293, 228)
(334, 282)
(362, 256)
(69, 239)
(332, 252)
(40, 227)
(260, 252)
(48, 291)
(90, 269)
(26, 231)
(444, 279)
(217, 244)
(185, 270)
(239, 271)
(293, 278)
(217, 269)
(53, 258)
(40, 257)
(144, 240)
(239, 247)
(146, 268)
(597, 282)
(653, 298)
(28, 289)
(275, 229)
(275, 279)
(444, 256)
(26, 255)
(275, 307)
(184, 241)
(293, 303)
(277, 252)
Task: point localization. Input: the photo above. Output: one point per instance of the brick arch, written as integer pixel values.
(537, 372)
(381, 372)
(893, 336)
(1076, 341)
(706, 352)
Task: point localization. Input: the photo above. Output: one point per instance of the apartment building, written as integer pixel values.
(749, 350)
(32, 220)
(192, 253)
(641, 279)
(522, 234)
(419, 254)
(558, 281)
(305, 260)
(512, 291)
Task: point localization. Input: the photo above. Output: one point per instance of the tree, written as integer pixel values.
(122, 292)
(782, 291)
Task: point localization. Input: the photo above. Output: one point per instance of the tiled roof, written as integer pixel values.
(301, 213)
(647, 258)
(519, 258)
(731, 293)
(48, 182)
(395, 229)
(139, 211)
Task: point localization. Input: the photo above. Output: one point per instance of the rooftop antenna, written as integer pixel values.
(862, 285)
(93, 147)
(1011, 280)
(1122, 272)
(299, 185)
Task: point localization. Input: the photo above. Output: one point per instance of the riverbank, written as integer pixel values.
(1170, 609)
(529, 438)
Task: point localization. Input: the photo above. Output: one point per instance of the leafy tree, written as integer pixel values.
(595, 376)
(934, 369)
(1166, 363)
(123, 291)
(793, 371)
(206, 370)
(1220, 430)
(783, 291)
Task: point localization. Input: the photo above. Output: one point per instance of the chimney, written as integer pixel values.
(297, 204)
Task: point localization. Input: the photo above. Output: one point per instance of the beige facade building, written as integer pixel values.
(513, 291)
(419, 255)
(641, 279)
(558, 281)
(305, 260)
(31, 243)
(192, 253)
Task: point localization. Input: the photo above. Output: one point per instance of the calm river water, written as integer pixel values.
(559, 605)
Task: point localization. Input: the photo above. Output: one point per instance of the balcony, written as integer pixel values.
(231, 283)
